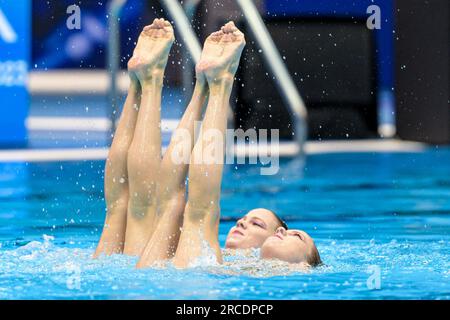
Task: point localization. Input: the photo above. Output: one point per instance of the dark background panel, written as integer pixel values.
(331, 62)
(422, 70)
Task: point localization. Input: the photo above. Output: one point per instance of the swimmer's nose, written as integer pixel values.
(241, 224)
(281, 230)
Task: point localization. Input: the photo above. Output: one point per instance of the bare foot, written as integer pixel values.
(221, 53)
(152, 50)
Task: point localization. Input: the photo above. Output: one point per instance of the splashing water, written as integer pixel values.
(371, 215)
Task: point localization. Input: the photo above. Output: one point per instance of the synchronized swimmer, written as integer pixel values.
(147, 212)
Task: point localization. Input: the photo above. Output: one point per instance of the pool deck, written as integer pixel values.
(286, 149)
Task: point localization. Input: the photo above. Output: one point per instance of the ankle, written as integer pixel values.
(133, 78)
(201, 87)
(224, 77)
(135, 86)
(221, 85)
(152, 77)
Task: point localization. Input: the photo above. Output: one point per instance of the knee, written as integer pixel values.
(116, 170)
(135, 163)
(118, 153)
(170, 198)
(201, 212)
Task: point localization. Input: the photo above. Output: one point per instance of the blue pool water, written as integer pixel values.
(373, 211)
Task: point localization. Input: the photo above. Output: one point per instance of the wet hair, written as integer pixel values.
(314, 257)
(280, 222)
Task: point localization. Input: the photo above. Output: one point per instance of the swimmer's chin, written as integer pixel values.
(292, 266)
(232, 242)
(236, 245)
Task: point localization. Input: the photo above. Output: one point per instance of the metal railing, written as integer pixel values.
(190, 6)
(188, 36)
(280, 73)
(113, 57)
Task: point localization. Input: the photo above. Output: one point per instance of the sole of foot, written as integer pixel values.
(221, 53)
(152, 50)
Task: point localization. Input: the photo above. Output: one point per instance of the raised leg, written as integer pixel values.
(116, 175)
(219, 62)
(171, 188)
(144, 156)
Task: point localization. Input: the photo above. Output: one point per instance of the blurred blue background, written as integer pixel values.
(55, 46)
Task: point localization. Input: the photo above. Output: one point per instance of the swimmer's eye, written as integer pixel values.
(258, 224)
(300, 236)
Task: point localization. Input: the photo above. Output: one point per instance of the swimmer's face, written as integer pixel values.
(293, 246)
(252, 230)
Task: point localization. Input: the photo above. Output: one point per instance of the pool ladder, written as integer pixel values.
(181, 17)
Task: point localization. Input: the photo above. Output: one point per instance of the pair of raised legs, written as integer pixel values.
(147, 212)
